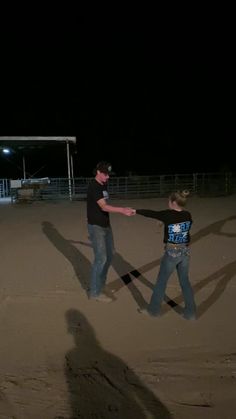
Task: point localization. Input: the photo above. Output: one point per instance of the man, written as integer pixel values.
(99, 229)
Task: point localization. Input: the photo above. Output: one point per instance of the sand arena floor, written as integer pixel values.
(63, 356)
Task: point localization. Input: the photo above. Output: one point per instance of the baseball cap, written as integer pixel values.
(104, 167)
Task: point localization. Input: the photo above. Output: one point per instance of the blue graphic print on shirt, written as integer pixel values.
(178, 233)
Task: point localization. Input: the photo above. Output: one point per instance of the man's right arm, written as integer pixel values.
(110, 208)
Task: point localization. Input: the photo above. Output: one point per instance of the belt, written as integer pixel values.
(176, 245)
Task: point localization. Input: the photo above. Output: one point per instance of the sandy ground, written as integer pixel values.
(63, 356)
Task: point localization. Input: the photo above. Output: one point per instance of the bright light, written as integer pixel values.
(6, 150)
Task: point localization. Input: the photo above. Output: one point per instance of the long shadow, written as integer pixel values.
(226, 274)
(120, 265)
(100, 384)
(214, 228)
(227, 271)
(127, 279)
(80, 263)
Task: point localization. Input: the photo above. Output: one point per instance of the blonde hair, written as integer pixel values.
(180, 197)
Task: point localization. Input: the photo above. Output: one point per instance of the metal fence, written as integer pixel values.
(201, 184)
(4, 188)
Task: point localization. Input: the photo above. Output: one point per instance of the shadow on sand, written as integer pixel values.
(82, 268)
(100, 384)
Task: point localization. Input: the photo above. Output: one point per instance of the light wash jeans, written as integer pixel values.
(173, 258)
(103, 247)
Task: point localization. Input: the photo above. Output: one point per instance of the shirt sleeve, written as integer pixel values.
(158, 215)
(96, 193)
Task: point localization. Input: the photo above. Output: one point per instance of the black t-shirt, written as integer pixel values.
(95, 215)
(177, 224)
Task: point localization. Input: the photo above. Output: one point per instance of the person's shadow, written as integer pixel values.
(100, 384)
(127, 273)
(82, 266)
(227, 272)
(80, 263)
(224, 275)
(221, 278)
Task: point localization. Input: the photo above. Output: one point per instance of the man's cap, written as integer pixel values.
(104, 167)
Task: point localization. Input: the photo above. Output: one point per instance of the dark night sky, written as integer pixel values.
(122, 90)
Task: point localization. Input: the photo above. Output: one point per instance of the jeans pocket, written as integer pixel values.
(174, 253)
(186, 251)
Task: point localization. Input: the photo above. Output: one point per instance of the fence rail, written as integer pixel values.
(201, 184)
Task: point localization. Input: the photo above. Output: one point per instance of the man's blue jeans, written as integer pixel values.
(174, 258)
(103, 247)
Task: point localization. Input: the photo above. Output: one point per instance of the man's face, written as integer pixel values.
(102, 177)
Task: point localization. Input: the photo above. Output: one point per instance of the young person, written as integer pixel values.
(177, 224)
